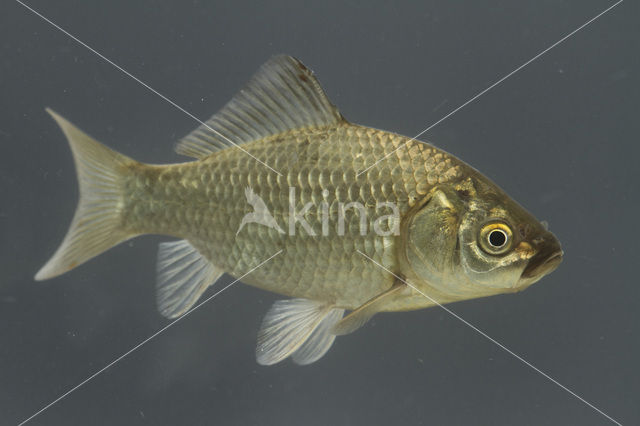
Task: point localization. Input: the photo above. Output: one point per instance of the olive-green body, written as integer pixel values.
(204, 201)
(288, 196)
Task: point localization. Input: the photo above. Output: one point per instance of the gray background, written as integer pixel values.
(561, 137)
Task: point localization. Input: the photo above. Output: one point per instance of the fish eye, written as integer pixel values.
(496, 237)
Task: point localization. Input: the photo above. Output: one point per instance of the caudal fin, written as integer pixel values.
(96, 225)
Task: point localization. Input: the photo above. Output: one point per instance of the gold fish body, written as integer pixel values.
(204, 202)
(350, 217)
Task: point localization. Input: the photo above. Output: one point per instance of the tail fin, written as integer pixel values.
(96, 225)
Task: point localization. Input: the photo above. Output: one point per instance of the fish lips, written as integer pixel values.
(544, 262)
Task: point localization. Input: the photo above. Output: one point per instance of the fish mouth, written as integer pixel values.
(543, 263)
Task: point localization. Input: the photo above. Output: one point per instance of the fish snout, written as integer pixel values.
(547, 258)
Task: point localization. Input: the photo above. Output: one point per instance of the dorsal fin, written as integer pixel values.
(283, 95)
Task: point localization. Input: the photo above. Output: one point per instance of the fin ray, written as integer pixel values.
(320, 340)
(360, 316)
(183, 274)
(287, 326)
(96, 224)
(282, 95)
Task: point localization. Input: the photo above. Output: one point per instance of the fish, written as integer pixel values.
(284, 193)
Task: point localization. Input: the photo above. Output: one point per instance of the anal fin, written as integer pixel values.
(183, 274)
(362, 314)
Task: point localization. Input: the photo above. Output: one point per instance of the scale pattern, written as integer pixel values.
(204, 202)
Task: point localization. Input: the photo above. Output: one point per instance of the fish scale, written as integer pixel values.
(204, 201)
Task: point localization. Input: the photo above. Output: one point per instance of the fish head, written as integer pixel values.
(470, 239)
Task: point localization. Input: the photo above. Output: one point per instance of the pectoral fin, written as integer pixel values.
(360, 316)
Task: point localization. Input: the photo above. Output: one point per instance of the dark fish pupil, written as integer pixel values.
(497, 238)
